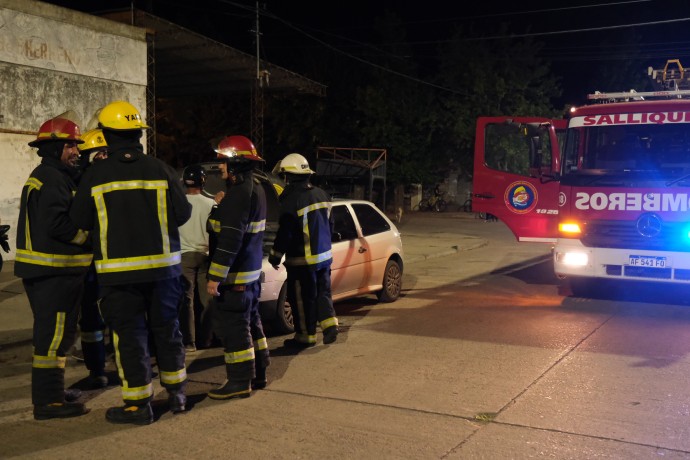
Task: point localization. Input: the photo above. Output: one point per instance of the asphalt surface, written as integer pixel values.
(418, 244)
(353, 399)
(482, 357)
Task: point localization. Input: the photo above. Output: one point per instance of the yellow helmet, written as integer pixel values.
(93, 139)
(120, 115)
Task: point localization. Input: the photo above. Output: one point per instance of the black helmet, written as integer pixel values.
(194, 176)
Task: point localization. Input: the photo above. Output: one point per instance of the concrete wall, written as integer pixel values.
(52, 60)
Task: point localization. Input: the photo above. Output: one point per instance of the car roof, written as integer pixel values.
(351, 201)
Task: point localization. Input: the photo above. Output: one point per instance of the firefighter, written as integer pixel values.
(134, 203)
(234, 274)
(304, 238)
(52, 259)
(91, 324)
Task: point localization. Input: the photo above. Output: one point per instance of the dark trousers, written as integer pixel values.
(196, 322)
(238, 323)
(55, 306)
(131, 311)
(92, 326)
(309, 295)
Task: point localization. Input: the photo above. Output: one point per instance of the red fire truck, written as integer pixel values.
(609, 186)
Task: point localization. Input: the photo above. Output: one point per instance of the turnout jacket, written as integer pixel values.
(134, 204)
(304, 226)
(48, 241)
(237, 227)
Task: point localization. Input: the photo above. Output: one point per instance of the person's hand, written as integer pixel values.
(212, 288)
(219, 197)
(274, 261)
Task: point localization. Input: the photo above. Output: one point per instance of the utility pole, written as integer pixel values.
(257, 134)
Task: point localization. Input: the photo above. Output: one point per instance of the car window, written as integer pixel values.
(370, 219)
(343, 224)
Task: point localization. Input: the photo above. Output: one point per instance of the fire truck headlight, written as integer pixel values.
(573, 259)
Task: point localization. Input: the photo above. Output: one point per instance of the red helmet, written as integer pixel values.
(57, 129)
(237, 147)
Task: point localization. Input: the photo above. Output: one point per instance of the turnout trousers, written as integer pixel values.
(92, 326)
(238, 324)
(309, 294)
(131, 311)
(54, 303)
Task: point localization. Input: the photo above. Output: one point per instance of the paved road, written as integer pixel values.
(483, 356)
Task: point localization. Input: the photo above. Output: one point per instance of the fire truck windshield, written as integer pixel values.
(659, 150)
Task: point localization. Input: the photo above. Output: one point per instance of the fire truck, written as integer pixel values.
(608, 186)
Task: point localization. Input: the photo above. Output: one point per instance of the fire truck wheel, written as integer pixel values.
(580, 286)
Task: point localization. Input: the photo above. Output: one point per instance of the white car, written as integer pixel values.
(367, 258)
(367, 253)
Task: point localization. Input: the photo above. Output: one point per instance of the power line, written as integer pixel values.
(553, 57)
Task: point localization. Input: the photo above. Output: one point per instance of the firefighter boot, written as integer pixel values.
(330, 334)
(136, 415)
(259, 382)
(261, 362)
(59, 410)
(97, 380)
(297, 344)
(177, 401)
(72, 394)
(232, 390)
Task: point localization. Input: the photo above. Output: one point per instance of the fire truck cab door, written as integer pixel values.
(516, 171)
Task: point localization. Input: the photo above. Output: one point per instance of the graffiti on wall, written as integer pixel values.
(46, 43)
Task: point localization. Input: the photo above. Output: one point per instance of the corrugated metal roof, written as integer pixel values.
(188, 63)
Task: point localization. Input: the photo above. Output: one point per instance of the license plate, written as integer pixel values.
(649, 261)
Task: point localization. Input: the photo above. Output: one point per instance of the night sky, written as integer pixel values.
(578, 34)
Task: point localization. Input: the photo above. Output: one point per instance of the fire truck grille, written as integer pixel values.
(624, 235)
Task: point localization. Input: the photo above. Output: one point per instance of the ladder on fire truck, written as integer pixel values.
(671, 82)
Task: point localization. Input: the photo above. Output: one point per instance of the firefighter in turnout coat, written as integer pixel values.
(304, 238)
(234, 276)
(52, 259)
(134, 204)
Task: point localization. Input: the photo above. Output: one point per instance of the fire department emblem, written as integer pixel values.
(520, 197)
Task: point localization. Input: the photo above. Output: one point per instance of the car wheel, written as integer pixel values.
(392, 282)
(284, 322)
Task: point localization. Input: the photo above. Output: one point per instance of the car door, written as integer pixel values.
(349, 252)
(516, 170)
(375, 242)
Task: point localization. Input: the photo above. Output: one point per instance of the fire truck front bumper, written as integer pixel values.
(572, 259)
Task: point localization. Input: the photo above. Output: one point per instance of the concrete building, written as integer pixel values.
(52, 60)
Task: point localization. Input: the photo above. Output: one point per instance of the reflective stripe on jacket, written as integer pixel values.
(48, 241)
(304, 233)
(238, 224)
(134, 203)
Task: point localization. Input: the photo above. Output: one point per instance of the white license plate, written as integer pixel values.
(649, 261)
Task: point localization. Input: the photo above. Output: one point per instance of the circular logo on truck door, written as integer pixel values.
(520, 197)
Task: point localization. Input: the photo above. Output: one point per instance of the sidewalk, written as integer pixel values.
(419, 244)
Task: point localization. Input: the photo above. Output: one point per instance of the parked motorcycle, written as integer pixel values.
(3, 241)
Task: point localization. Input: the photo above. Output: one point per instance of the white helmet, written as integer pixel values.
(293, 163)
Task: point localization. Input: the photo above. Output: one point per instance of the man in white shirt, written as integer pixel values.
(194, 244)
